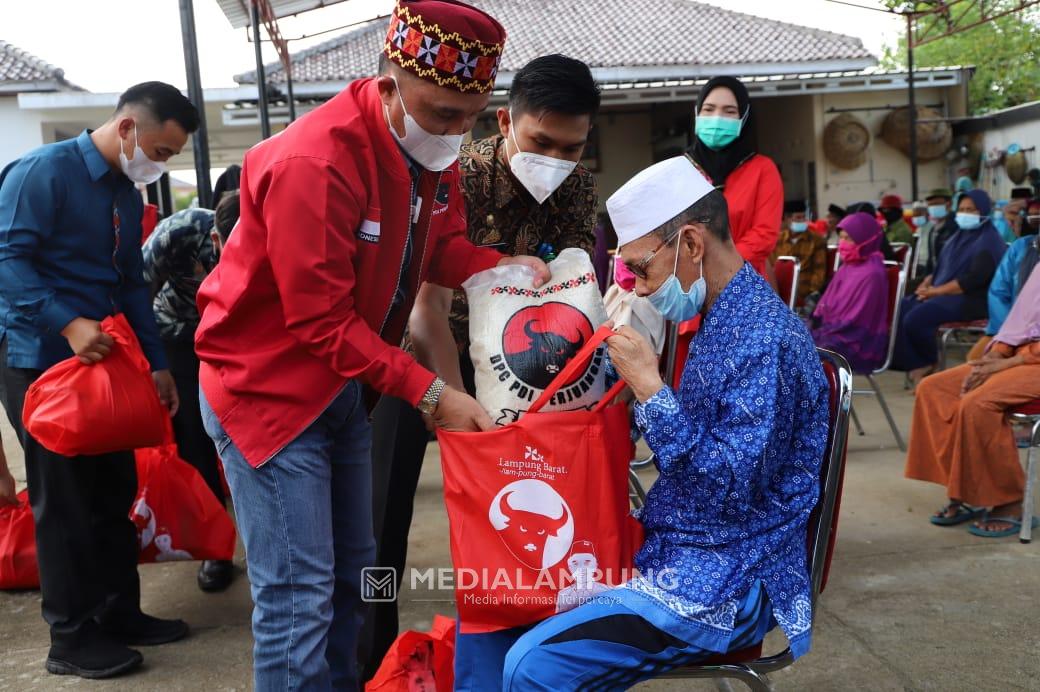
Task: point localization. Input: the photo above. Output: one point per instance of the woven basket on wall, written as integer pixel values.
(845, 141)
(933, 138)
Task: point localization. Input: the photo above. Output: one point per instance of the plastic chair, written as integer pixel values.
(832, 261)
(787, 270)
(902, 251)
(748, 665)
(956, 329)
(1028, 414)
(897, 277)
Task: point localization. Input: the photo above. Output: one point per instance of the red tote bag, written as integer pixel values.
(537, 503)
(74, 409)
(18, 569)
(176, 514)
(419, 661)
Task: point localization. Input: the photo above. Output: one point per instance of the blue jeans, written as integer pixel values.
(306, 520)
(479, 658)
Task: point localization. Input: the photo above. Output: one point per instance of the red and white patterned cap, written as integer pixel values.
(449, 43)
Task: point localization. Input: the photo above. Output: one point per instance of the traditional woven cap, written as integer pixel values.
(655, 196)
(449, 43)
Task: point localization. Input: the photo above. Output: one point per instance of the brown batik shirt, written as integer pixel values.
(502, 214)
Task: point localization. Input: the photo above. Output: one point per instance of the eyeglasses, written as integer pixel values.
(639, 269)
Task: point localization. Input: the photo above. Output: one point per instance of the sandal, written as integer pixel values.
(1015, 526)
(964, 513)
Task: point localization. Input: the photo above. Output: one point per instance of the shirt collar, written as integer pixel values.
(96, 164)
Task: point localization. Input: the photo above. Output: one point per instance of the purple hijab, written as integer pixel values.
(1023, 322)
(852, 315)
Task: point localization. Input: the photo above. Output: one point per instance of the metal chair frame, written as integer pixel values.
(943, 336)
(875, 389)
(1025, 534)
(796, 273)
(821, 533)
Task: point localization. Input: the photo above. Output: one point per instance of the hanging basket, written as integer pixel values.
(845, 141)
(933, 138)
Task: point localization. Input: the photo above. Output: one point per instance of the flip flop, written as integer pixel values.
(964, 513)
(1016, 525)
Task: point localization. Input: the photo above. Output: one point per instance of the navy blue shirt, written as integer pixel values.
(70, 246)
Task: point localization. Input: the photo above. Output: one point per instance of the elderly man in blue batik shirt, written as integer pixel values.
(739, 447)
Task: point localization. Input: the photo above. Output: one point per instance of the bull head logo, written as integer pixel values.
(538, 341)
(534, 522)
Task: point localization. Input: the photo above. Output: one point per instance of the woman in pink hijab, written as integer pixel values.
(852, 315)
(960, 437)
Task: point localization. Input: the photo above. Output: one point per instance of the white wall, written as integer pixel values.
(1025, 135)
(886, 170)
(625, 149)
(20, 131)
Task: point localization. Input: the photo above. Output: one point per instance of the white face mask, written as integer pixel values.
(541, 175)
(140, 169)
(432, 152)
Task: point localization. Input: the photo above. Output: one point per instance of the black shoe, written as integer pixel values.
(144, 630)
(215, 575)
(95, 658)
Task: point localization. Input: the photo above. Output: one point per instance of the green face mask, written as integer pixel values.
(717, 132)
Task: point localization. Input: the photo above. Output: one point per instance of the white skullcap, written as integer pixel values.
(655, 196)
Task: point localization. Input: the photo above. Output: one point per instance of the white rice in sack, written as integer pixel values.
(521, 337)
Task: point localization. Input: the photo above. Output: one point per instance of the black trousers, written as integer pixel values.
(85, 542)
(193, 444)
(399, 439)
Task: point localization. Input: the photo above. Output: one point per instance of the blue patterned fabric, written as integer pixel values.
(739, 449)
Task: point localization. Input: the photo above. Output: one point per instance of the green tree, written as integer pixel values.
(1004, 51)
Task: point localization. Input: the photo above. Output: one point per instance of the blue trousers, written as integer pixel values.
(915, 339)
(305, 517)
(609, 645)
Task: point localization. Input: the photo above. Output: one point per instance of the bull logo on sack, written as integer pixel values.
(533, 521)
(538, 341)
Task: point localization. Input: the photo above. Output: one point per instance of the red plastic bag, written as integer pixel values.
(539, 509)
(419, 661)
(176, 514)
(74, 409)
(18, 568)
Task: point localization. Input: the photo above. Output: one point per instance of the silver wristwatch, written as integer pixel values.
(432, 397)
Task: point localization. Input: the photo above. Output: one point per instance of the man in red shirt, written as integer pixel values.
(343, 216)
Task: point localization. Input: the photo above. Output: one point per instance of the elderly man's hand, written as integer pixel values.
(539, 267)
(634, 359)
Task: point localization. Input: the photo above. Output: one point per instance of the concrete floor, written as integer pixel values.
(909, 606)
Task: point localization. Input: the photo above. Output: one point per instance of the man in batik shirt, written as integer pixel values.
(738, 446)
(178, 255)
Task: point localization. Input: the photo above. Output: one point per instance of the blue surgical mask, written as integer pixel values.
(918, 221)
(968, 222)
(672, 302)
(799, 226)
(937, 211)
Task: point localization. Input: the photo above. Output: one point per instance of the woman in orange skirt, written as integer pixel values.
(960, 437)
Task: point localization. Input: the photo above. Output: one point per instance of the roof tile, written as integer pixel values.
(619, 33)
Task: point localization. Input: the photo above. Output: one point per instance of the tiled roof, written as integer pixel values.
(17, 66)
(673, 35)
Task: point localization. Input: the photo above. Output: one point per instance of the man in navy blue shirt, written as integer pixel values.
(70, 255)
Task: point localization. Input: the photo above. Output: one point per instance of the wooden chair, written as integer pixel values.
(749, 665)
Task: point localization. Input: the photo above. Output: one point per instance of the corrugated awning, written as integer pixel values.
(237, 11)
